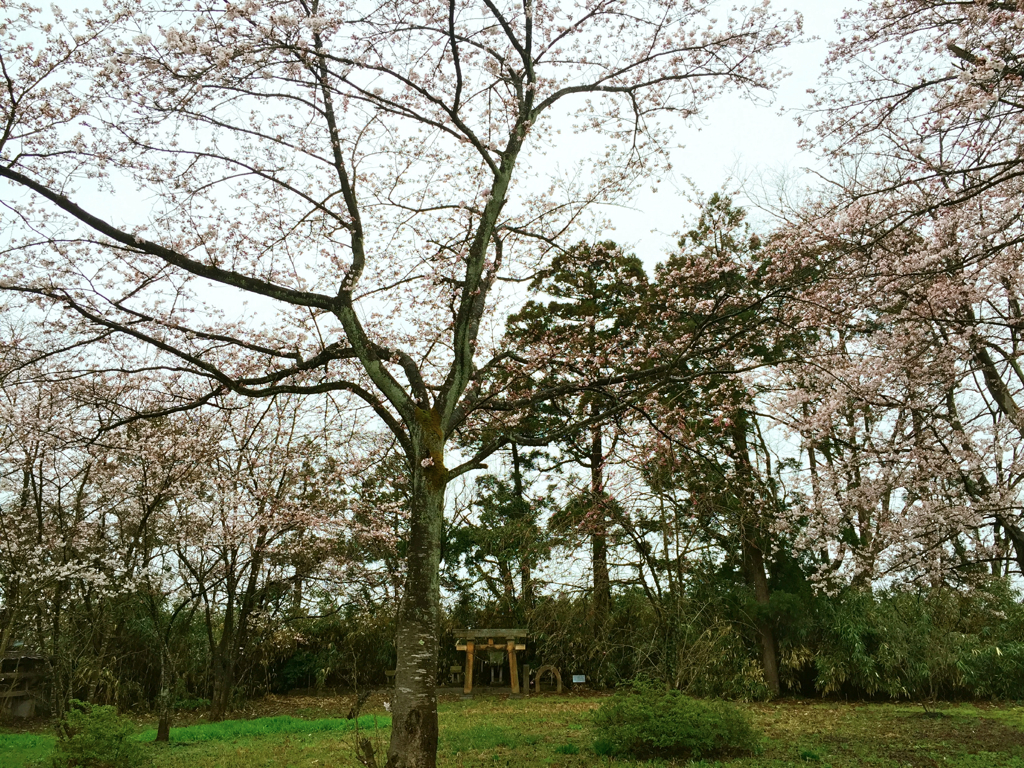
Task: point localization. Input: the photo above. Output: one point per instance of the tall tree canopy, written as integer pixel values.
(909, 407)
(358, 170)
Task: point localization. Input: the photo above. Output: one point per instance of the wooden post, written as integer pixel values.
(513, 666)
(468, 687)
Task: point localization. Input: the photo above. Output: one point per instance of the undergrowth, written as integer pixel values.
(652, 722)
(92, 736)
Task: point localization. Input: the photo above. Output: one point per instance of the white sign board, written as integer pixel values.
(579, 679)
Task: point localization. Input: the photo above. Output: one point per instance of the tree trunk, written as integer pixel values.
(221, 662)
(602, 581)
(163, 727)
(7, 619)
(753, 554)
(526, 586)
(223, 684)
(1016, 538)
(414, 708)
(234, 639)
(101, 656)
(526, 554)
(599, 538)
(60, 677)
(755, 569)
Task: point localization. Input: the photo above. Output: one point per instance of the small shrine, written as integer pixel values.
(496, 642)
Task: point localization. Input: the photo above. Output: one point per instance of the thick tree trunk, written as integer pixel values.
(60, 678)
(414, 708)
(508, 585)
(526, 586)
(1016, 537)
(602, 581)
(7, 618)
(163, 727)
(101, 657)
(221, 651)
(223, 684)
(599, 538)
(234, 639)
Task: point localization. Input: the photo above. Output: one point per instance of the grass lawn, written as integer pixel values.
(18, 749)
(556, 732)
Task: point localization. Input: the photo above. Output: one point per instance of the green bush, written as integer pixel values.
(926, 644)
(92, 736)
(658, 723)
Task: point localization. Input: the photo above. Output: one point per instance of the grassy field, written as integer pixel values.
(556, 732)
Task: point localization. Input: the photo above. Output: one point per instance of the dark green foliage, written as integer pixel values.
(715, 659)
(191, 705)
(922, 645)
(500, 549)
(627, 647)
(92, 736)
(597, 293)
(351, 648)
(995, 671)
(945, 644)
(657, 723)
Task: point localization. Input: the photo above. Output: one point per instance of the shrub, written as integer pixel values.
(96, 737)
(712, 660)
(657, 723)
(922, 645)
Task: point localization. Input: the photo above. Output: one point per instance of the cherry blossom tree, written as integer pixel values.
(77, 530)
(364, 174)
(909, 406)
(913, 464)
(235, 546)
(100, 522)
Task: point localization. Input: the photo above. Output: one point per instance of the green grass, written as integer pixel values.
(557, 732)
(18, 749)
(266, 726)
(484, 736)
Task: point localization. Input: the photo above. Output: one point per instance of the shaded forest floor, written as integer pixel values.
(556, 732)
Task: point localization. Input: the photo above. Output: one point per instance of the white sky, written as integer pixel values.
(735, 138)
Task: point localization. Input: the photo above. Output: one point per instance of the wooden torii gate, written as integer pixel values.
(473, 640)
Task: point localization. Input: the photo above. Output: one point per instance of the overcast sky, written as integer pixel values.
(735, 138)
